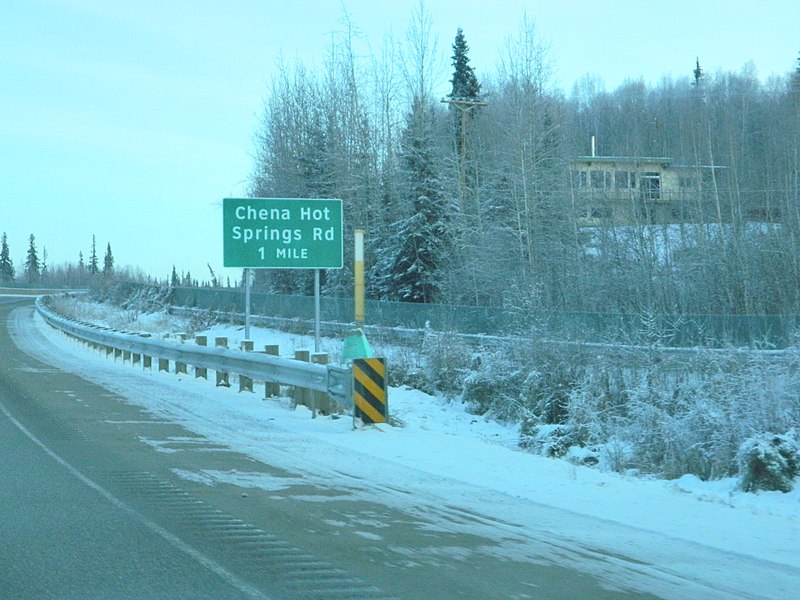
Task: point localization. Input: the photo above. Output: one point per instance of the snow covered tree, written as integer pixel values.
(413, 272)
(108, 262)
(412, 248)
(523, 211)
(32, 264)
(7, 272)
(769, 462)
(94, 266)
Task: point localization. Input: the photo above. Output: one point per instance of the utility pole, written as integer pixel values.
(464, 105)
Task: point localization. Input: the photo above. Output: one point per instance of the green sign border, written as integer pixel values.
(283, 233)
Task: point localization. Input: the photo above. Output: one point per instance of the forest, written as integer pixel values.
(471, 199)
(467, 199)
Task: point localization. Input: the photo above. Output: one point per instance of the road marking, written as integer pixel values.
(171, 539)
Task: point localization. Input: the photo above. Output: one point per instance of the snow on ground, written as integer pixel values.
(443, 456)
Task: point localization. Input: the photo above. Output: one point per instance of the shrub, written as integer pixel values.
(494, 388)
(550, 440)
(449, 359)
(406, 368)
(547, 388)
(769, 462)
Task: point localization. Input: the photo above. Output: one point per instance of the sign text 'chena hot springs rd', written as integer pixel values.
(282, 233)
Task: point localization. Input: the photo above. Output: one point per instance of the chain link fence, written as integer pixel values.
(763, 331)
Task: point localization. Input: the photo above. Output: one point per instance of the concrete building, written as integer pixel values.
(616, 190)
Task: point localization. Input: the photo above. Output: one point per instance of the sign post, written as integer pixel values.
(247, 286)
(283, 233)
(358, 270)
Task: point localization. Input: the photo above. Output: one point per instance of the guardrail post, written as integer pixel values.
(147, 360)
(180, 367)
(163, 363)
(223, 379)
(245, 383)
(201, 340)
(302, 395)
(272, 389)
(319, 400)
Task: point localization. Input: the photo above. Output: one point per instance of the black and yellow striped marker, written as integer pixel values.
(369, 390)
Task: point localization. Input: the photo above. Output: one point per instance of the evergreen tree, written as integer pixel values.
(6, 266)
(108, 261)
(81, 264)
(698, 74)
(413, 268)
(174, 280)
(32, 264)
(465, 83)
(93, 261)
(464, 97)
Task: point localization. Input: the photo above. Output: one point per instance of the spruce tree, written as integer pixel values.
(464, 95)
(108, 261)
(413, 267)
(698, 74)
(465, 83)
(94, 267)
(7, 273)
(32, 265)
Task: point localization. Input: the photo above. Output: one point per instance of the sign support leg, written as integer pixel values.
(247, 285)
(316, 311)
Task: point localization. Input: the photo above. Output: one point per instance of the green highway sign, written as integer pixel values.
(282, 233)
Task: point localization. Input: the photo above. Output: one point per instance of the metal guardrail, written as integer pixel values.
(333, 380)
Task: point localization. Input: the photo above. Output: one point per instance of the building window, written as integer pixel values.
(625, 180)
(580, 179)
(686, 182)
(650, 185)
(602, 180)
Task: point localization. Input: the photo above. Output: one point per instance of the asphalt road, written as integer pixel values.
(91, 510)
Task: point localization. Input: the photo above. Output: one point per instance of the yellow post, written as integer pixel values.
(359, 278)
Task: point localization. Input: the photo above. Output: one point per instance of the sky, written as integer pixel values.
(454, 472)
(130, 120)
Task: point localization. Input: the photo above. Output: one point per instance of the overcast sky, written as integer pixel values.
(132, 119)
